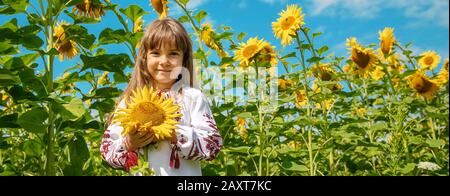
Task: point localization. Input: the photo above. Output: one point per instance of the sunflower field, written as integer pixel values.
(378, 111)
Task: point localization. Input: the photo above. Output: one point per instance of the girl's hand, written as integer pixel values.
(137, 140)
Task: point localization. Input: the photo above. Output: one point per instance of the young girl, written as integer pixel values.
(166, 46)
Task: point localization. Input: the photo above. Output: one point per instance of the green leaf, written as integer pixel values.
(314, 59)
(316, 34)
(34, 120)
(184, 2)
(408, 168)
(240, 149)
(109, 36)
(183, 19)
(224, 35)
(17, 63)
(9, 121)
(133, 12)
(78, 154)
(245, 115)
(8, 78)
(200, 15)
(32, 148)
(11, 25)
(107, 92)
(104, 106)
(241, 36)
(35, 19)
(292, 54)
(322, 50)
(71, 110)
(80, 35)
(292, 166)
(109, 62)
(13, 6)
(435, 143)
(7, 49)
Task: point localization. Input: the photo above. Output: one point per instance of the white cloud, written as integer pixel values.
(423, 11)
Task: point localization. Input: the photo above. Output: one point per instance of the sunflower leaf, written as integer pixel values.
(133, 12)
(34, 120)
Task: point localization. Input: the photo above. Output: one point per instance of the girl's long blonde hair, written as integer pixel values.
(159, 32)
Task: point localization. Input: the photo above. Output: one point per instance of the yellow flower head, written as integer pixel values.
(90, 8)
(146, 111)
(347, 68)
(361, 112)
(324, 72)
(284, 84)
(301, 99)
(267, 54)
(241, 128)
(295, 145)
(326, 103)
(429, 60)
(60, 34)
(161, 7)
(378, 73)
(67, 48)
(138, 25)
(387, 40)
(288, 23)
(206, 37)
(442, 77)
(395, 64)
(248, 51)
(424, 87)
(364, 58)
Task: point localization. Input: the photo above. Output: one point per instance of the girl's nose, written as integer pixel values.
(164, 60)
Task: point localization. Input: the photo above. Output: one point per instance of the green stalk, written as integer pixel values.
(196, 29)
(309, 145)
(409, 57)
(50, 169)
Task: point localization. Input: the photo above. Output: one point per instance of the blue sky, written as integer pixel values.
(423, 22)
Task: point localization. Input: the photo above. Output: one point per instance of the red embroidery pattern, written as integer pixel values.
(119, 157)
(208, 147)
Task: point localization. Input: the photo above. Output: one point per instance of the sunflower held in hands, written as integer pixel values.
(147, 111)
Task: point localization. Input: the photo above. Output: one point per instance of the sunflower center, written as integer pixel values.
(421, 85)
(66, 46)
(148, 112)
(428, 60)
(287, 22)
(266, 55)
(361, 59)
(326, 76)
(249, 51)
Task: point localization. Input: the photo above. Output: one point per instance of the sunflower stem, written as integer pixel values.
(50, 169)
(406, 54)
(305, 84)
(196, 29)
(390, 79)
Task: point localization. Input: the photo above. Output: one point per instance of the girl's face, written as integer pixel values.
(161, 61)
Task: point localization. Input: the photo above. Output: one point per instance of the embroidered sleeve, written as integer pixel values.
(200, 140)
(113, 150)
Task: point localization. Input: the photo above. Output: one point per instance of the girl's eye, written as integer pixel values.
(154, 53)
(174, 53)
